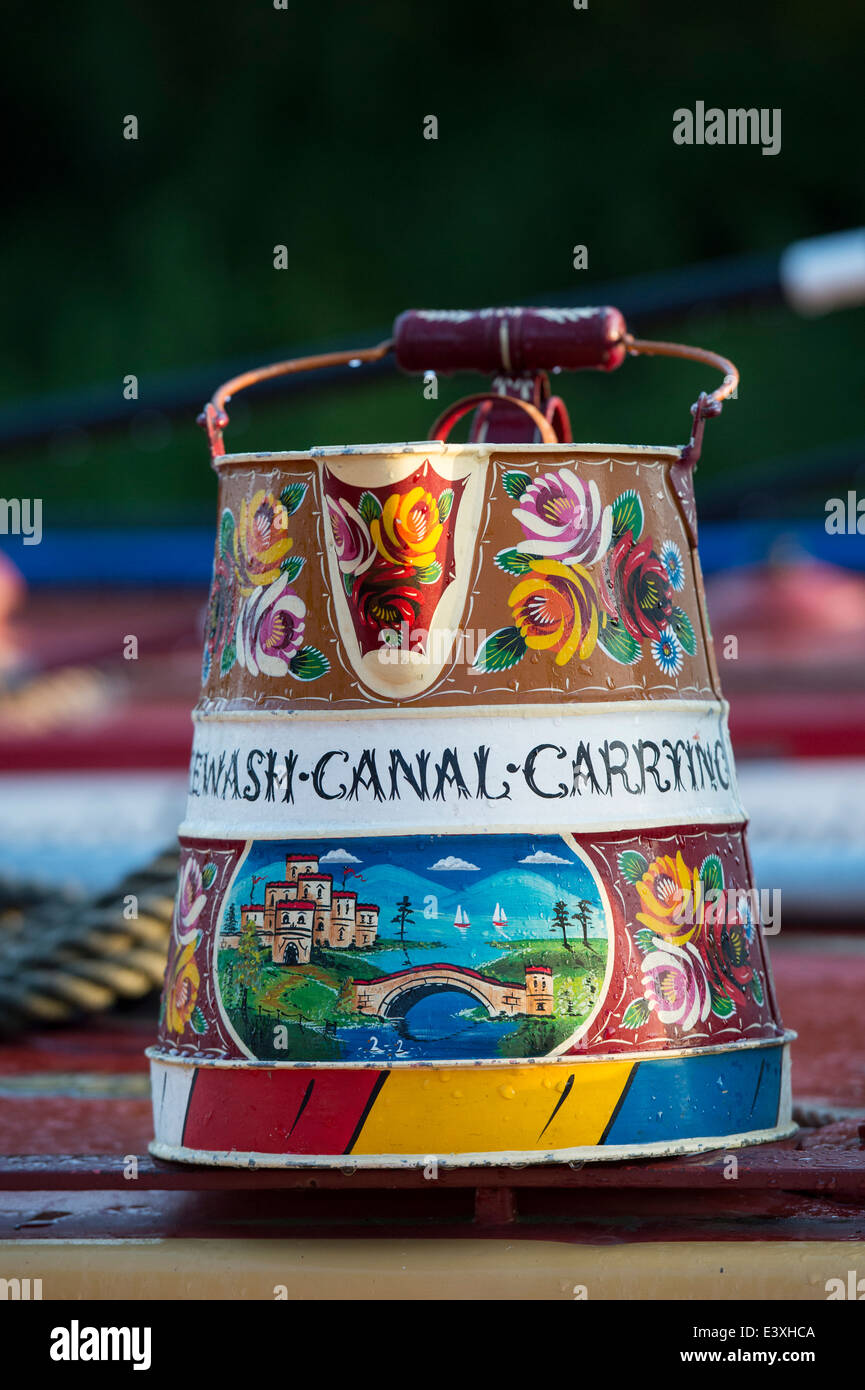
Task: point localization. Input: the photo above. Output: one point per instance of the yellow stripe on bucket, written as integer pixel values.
(493, 1109)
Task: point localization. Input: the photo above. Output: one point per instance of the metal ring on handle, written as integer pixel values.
(452, 413)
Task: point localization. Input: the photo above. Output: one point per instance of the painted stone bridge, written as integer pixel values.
(391, 996)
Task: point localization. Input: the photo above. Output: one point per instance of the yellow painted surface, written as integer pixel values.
(492, 1109)
(430, 1269)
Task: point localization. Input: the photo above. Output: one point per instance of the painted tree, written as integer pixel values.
(404, 914)
(586, 993)
(230, 923)
(247, 971)
(345, 1000)
(566, 998)
(582, 915)
(561, 920)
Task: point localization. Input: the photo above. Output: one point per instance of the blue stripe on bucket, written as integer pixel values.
(698, 1097)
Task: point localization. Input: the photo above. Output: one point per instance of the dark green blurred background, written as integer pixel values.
(304, 127)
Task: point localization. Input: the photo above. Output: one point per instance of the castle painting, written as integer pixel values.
(305, 910)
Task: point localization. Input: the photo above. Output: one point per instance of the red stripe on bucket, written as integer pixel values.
(287, 1112)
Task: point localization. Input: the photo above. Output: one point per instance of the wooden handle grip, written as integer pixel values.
(514, 341)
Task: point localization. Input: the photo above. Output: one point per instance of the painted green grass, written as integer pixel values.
(579, 960)
(578, 976)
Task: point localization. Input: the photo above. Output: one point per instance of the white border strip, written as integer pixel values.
(569, 768)
(177, 1059)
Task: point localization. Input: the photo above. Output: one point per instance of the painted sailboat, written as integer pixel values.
(461, 920)
(500, 918)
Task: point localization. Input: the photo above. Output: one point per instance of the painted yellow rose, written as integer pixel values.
(409, 528)
(556, 609)
(261, 541)
(672, 897)
(181, 989)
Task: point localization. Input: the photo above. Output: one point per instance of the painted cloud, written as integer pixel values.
(543, 856)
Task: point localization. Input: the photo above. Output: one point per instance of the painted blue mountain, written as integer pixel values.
(527, 898)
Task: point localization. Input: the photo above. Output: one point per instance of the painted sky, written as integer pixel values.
(525, 873)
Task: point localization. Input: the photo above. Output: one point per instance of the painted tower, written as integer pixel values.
(292, 941)
(539, 990)
(317, 889)
(366, 924)
(343, 919)
(274, 892)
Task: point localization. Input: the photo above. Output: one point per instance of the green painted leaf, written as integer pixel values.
(712, 874)
(636, 1014)
(369, 506)
(291, 566)
(198, 1021)
(627, 515)
(757, 988)
(226, 533)
(632, 865)
(446, 501)
(227, 659)
(513, 562)
(645, 939)
(430, 574)
(309, 664)
(501, 651)
(208, 874)
(617, 642)
(516, 484)
(292, 496)
(722, 1004)
(684, 630)
(348, 583)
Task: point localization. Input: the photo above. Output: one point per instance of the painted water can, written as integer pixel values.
(464, 875)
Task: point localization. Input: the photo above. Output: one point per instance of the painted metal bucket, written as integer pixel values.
(464, 876)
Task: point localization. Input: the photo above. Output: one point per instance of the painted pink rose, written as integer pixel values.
(562, 517)
(676, 984)
(270, 629)
(355, 548)
(190, 894)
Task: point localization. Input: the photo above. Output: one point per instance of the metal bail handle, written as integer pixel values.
(509, 342)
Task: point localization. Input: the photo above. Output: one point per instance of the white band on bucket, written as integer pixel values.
(594, 767)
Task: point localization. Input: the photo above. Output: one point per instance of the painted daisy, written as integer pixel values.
(667, 652)
(672, 558)
(745, 916)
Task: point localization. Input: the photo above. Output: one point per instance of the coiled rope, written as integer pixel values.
(62, 958)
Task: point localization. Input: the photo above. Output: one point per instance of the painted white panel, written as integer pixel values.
(590, 767)
(171, 1087)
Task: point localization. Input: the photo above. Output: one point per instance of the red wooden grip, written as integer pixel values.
(514, 341)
